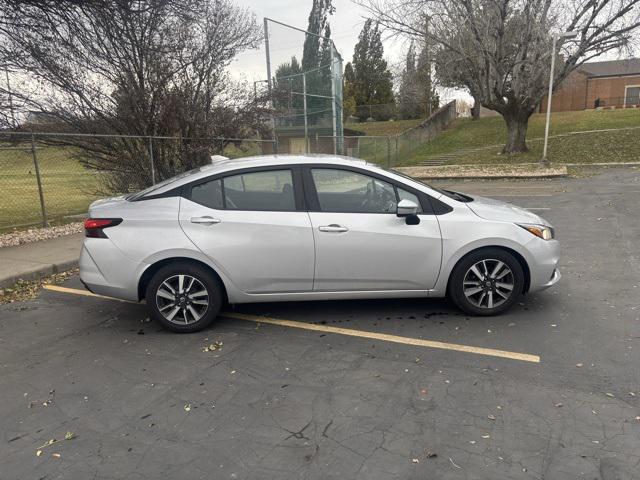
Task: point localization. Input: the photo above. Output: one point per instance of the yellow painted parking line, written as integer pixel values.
(418, 342)
(85, 293)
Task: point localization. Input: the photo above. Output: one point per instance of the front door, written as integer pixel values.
(360, 242)
(250, 225)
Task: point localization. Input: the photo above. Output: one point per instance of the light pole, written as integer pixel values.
(544, 161)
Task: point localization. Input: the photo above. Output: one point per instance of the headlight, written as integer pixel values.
(541, 231)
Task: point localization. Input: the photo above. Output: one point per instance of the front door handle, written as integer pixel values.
(206, 220)
(333, 228)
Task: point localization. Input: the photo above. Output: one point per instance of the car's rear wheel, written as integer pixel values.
(184, 297)
(486, 282)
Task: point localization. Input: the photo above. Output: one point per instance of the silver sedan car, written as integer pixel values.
(278, 228)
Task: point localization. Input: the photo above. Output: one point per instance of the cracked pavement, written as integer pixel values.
(279, 403)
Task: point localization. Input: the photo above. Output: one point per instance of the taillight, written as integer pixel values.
(93, 226)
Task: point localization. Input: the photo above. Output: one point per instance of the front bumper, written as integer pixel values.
(555, 278)
(543, 264)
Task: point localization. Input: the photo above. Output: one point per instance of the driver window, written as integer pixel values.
(351, 192)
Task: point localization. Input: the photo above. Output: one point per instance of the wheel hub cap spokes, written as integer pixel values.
(488, 283)
(182, 299)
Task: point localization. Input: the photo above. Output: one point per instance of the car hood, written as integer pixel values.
(496, 210)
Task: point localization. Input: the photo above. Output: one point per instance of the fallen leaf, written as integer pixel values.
(213, 347)
(486, 436)
(491, 417)
(631, 394)
(187, 407)
(38, 453)
(48, 443)
(610, 395)
(55, 455)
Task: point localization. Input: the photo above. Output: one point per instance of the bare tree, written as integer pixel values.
(137, 68)
(501, 49)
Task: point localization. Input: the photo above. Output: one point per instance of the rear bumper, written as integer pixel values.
(113, 275)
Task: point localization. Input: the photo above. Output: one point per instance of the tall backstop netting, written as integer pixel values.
(304, 79)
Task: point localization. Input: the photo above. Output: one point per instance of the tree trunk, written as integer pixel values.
(475, 111)
(517, 124)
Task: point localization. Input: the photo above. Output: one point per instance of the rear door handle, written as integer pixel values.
(334, 228)
(206, 220)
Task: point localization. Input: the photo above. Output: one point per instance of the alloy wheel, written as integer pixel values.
(182, 299)
(488, 283)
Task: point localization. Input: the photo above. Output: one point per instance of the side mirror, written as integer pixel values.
(406, 208)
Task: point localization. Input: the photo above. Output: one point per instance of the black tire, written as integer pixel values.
(170, 274)
(491, 257)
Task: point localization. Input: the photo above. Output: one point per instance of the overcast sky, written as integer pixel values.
(346, 24)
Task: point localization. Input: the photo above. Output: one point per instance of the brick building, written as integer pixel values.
(614, 83)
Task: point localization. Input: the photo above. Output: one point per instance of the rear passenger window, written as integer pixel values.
(208, 194)
(268, 190)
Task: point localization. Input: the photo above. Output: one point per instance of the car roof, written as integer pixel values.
(226, 165)
(284, 159)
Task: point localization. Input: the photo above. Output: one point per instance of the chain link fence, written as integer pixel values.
(390, 151)
(51, 178)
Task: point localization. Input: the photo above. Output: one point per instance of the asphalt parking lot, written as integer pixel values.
(274, 400)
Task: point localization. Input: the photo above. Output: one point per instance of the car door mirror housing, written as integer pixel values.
(406, 208)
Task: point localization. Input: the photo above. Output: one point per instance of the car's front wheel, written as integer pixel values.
(486, 282)
(184, 297)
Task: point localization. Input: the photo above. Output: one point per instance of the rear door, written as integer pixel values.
(361, 244)
(252, 226)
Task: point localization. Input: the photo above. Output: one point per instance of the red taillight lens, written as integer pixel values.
(93, 226)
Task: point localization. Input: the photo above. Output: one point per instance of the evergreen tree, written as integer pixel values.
(349, 92)
(288, 82)
(318, 25)
(372, 76)
(428, 96)
(316, 59)
(417, 97)
(408, 92)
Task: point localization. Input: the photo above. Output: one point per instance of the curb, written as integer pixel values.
(475, 172)
(492, 177)
(38, 273)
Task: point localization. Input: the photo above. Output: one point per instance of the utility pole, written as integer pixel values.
(544, 161)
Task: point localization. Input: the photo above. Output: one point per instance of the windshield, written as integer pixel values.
(447, 193)
(164, 183)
